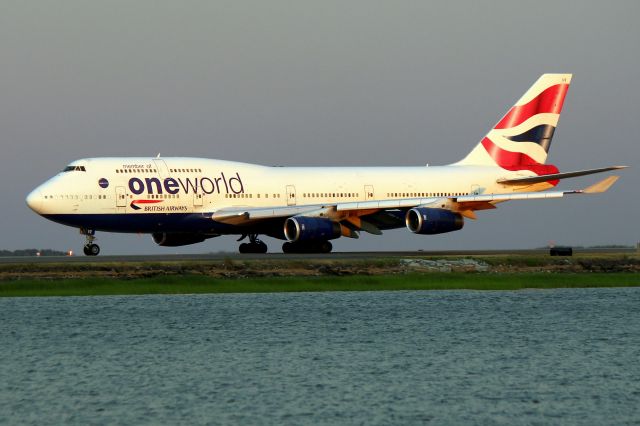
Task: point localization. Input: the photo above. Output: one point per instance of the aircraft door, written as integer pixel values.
(291, 195)
(121, 198)
(197, 199)
(161, 167)
(368, 192)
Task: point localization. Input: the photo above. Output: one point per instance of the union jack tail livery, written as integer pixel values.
(522, 138)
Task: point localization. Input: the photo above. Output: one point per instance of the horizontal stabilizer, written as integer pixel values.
(557, 176)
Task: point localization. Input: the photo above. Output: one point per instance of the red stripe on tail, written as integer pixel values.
(514, 161)
(549, 101)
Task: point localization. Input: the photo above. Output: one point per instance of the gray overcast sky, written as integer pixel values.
(317, 83)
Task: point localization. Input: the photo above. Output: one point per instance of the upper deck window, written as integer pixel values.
(74, 168)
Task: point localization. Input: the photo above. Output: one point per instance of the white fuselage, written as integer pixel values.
(139, 186)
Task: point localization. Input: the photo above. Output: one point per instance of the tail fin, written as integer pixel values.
(521, 139)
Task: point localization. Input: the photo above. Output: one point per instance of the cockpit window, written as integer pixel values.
(74, 168)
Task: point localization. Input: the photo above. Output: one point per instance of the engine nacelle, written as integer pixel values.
(175, 239)
(302, 228)
(424, 220)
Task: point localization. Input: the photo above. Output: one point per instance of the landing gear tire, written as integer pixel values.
(91, 250)
(307, 247)
(325, 247)
(255, 246)
(288, 248)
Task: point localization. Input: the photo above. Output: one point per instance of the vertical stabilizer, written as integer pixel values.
(522, 138)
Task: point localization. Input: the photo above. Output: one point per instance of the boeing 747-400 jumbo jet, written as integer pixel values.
(182, 201)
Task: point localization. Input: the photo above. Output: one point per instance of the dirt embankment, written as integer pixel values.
(230, 268)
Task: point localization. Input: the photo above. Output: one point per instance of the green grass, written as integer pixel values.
(188, 284)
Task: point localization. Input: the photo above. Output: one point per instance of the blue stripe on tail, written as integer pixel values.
(540, 135)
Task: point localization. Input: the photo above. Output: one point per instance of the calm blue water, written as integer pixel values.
(527, 357)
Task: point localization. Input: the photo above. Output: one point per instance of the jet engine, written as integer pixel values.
(301, 228)
(424, 220)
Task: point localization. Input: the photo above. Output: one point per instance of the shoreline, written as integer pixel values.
(436, 281)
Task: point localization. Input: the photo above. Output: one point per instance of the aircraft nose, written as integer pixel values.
(34, 200)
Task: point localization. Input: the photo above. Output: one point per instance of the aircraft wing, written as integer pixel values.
(466, 205)
(240, 215)
(599, 187)
(373, 215)
(245, 215)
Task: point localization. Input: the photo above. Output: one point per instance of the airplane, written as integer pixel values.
(181, 201)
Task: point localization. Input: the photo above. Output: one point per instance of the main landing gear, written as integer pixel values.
(307, 247)
(253, 246)
(90, 249)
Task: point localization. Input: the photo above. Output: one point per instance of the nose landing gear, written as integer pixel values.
(253, 246)
(90, 249)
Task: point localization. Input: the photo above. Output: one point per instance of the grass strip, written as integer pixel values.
(190, 284)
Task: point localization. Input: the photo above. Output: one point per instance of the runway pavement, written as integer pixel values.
(283, 256)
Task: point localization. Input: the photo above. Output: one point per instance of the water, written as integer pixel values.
(527, 357)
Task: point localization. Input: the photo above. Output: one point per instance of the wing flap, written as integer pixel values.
(384, 204)
(514, 196)
(239, 215)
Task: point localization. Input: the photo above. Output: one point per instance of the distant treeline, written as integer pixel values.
(32, 252)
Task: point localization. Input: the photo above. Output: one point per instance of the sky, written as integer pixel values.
(363, 83)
